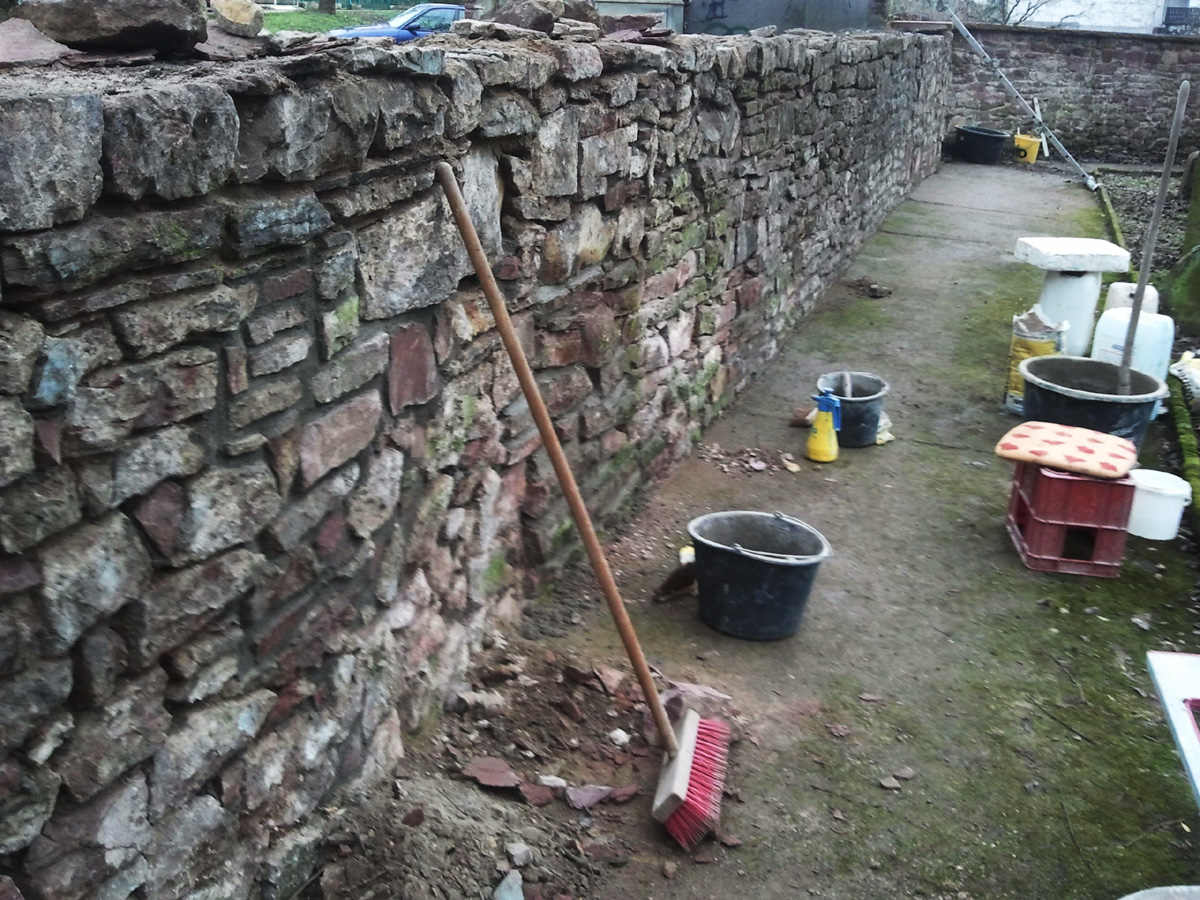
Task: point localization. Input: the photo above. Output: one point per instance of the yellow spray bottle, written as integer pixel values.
(822, 440)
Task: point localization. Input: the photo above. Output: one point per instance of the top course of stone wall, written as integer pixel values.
(266, 478)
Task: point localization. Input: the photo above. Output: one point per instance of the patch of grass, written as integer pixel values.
(313, 22)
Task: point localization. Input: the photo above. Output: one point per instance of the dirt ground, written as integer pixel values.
(1010, 711)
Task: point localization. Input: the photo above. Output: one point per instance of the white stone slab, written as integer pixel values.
(1067, 254)
(1177, 677)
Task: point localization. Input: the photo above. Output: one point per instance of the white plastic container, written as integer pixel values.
(1151, 345)
(1159, 499)
(1120, 295)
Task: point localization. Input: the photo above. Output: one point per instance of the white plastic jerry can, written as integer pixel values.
(1151, 344)
(1120, 293)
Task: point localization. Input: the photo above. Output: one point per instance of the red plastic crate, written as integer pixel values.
(1068, 499)
(1069, 523)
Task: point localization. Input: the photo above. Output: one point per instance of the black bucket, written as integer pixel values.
(861, 405)
(980, 145)
(754, 572)
(1075, 390)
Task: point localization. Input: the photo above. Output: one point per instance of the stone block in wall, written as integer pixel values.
(260, 220)
(466, 92)
(415, 257)
(299, 135)
(100, 660)
(129, 729)
(34, 510)
(564, 389)
(82, 254)
(51, 149)
(338, 435)
(29, 697)
(20, 632)
(20, 345)
(88, 573)
(335, 274)
(226, 507)
(68, 357)
(302, 515)
(602, 155)
(412, 375)
(503, 113)
(175, 606)
(266, 323)
(200, 743)
(282, 353)
(204, 665)
(197, 846)
(81, 849)
(581, 241)
(173, 142)
(8, 890)
(553, 160)
(159, 325)
(578, 61)
(374, 501)
(288, 771)
(140, 464)
(409, 112)
(27, 797)
(113, 402)
(351, 369)
(265, 400)
(337, 327)
(16, 441)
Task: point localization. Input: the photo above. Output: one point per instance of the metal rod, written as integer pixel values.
(1087, 177)
(1147, 262)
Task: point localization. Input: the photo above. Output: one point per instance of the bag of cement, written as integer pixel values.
(1032, 336)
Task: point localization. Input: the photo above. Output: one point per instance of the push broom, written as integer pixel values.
(688, 798)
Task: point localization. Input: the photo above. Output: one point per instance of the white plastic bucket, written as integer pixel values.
(1158, 503)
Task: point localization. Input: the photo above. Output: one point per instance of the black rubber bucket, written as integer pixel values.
(976, 144)
(754, 572)
(861, 406)
(1075, 390)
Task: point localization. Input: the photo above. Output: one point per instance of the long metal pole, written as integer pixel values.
(1012, 89)
(1144, 269)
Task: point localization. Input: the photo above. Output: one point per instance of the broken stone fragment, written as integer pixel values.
(172, 26)
(510, 888)
(519, 854)
(531, 14)
(587, 796)
(21, 44)
(243, 18)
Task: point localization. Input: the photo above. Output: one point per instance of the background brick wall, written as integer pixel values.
(1108, 97)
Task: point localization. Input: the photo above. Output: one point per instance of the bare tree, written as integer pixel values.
(1017, 12)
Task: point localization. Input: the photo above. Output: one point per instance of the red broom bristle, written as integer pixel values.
(700, 811)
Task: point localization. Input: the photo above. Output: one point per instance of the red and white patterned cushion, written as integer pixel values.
(1070, 449)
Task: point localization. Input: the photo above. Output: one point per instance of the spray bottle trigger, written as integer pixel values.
(828, 402)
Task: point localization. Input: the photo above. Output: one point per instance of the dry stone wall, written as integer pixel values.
(1108, 97)
(266, 478)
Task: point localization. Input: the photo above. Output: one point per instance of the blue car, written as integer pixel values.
(420, 20)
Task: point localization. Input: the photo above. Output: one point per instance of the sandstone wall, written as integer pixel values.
(1108, 97)
(265, 477)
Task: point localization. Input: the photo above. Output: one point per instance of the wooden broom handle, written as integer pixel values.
(583, 521)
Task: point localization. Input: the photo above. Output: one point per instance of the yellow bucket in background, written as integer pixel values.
(1027, 147)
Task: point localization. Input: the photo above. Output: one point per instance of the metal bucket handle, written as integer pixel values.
(767, 556)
